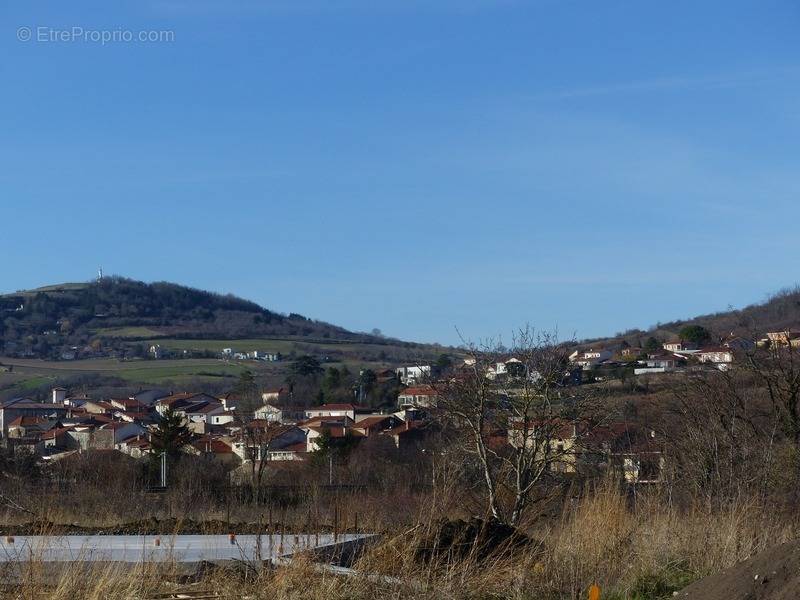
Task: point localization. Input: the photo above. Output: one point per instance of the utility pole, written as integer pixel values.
(164, 470)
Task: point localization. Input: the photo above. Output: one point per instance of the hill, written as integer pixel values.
(781, 311)
(106, 317)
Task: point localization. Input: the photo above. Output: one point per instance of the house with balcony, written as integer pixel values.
(718, 356)
(417, 396)
(660, 363)
(413, 374)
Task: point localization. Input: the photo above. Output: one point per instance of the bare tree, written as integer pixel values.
(258, 437)
(723, 437)
(777, 368)
(517, 417)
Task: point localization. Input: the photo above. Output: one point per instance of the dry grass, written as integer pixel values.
(633, 554)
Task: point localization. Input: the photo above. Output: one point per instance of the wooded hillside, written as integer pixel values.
(45, 321)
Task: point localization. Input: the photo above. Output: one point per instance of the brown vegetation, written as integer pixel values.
(646, 550)
(729, 491)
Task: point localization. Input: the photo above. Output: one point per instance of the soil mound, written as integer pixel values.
(772, 575)
(476, 538)
(151, 526)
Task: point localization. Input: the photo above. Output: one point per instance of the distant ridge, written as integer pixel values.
(45, 321)
(779, 312)
(59, 287)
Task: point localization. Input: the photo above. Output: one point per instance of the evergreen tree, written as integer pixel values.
(695, 334)
(652, 345)
(246, 386)
(333, 379)
(305, 366)
(171, 435)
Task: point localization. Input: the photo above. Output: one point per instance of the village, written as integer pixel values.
(283, 429)
(393, 299)
(678, 354)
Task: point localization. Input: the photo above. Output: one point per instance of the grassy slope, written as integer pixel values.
(58, 287)
(356, 352)
(126, 332)
(30, 373)
(264, 345)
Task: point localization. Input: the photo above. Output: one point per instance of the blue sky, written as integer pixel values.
(407, 165)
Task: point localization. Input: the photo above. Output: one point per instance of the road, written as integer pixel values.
(152, 548)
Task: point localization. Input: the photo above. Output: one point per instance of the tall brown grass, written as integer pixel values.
(632, 550)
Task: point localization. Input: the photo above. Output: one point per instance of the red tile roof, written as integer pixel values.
(214, 445)
(419, 390)
(333, 430)
(322, 421)
(26, 421)
(715, 349)
(114, 425)
(337, 407)
(136, 442)
(182, 396)
(298, 447)
(371, 422)
(404, 428)
(53, 433)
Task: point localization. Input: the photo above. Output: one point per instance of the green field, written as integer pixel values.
(59, 287)
(126, 332)
(283, 346)
(23, 382)
(29, 373)
(261, 345)
(177, 372)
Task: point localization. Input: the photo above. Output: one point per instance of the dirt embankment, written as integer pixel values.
(771, 575)
(459, 539)
(148, 527)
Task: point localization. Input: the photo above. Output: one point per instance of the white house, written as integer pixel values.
(660, 364)
(220, 418)
(259, 448)
(157, 352)
(268, 412)
(721, 356)
(420, 396)
(273, 396)
(414, 374)
(788, 337)
(589, 358)
(679, 346)
(501, 368)
(332, 427)
(294, 452)
(336, 410)
(202, 412)
(277, 414)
